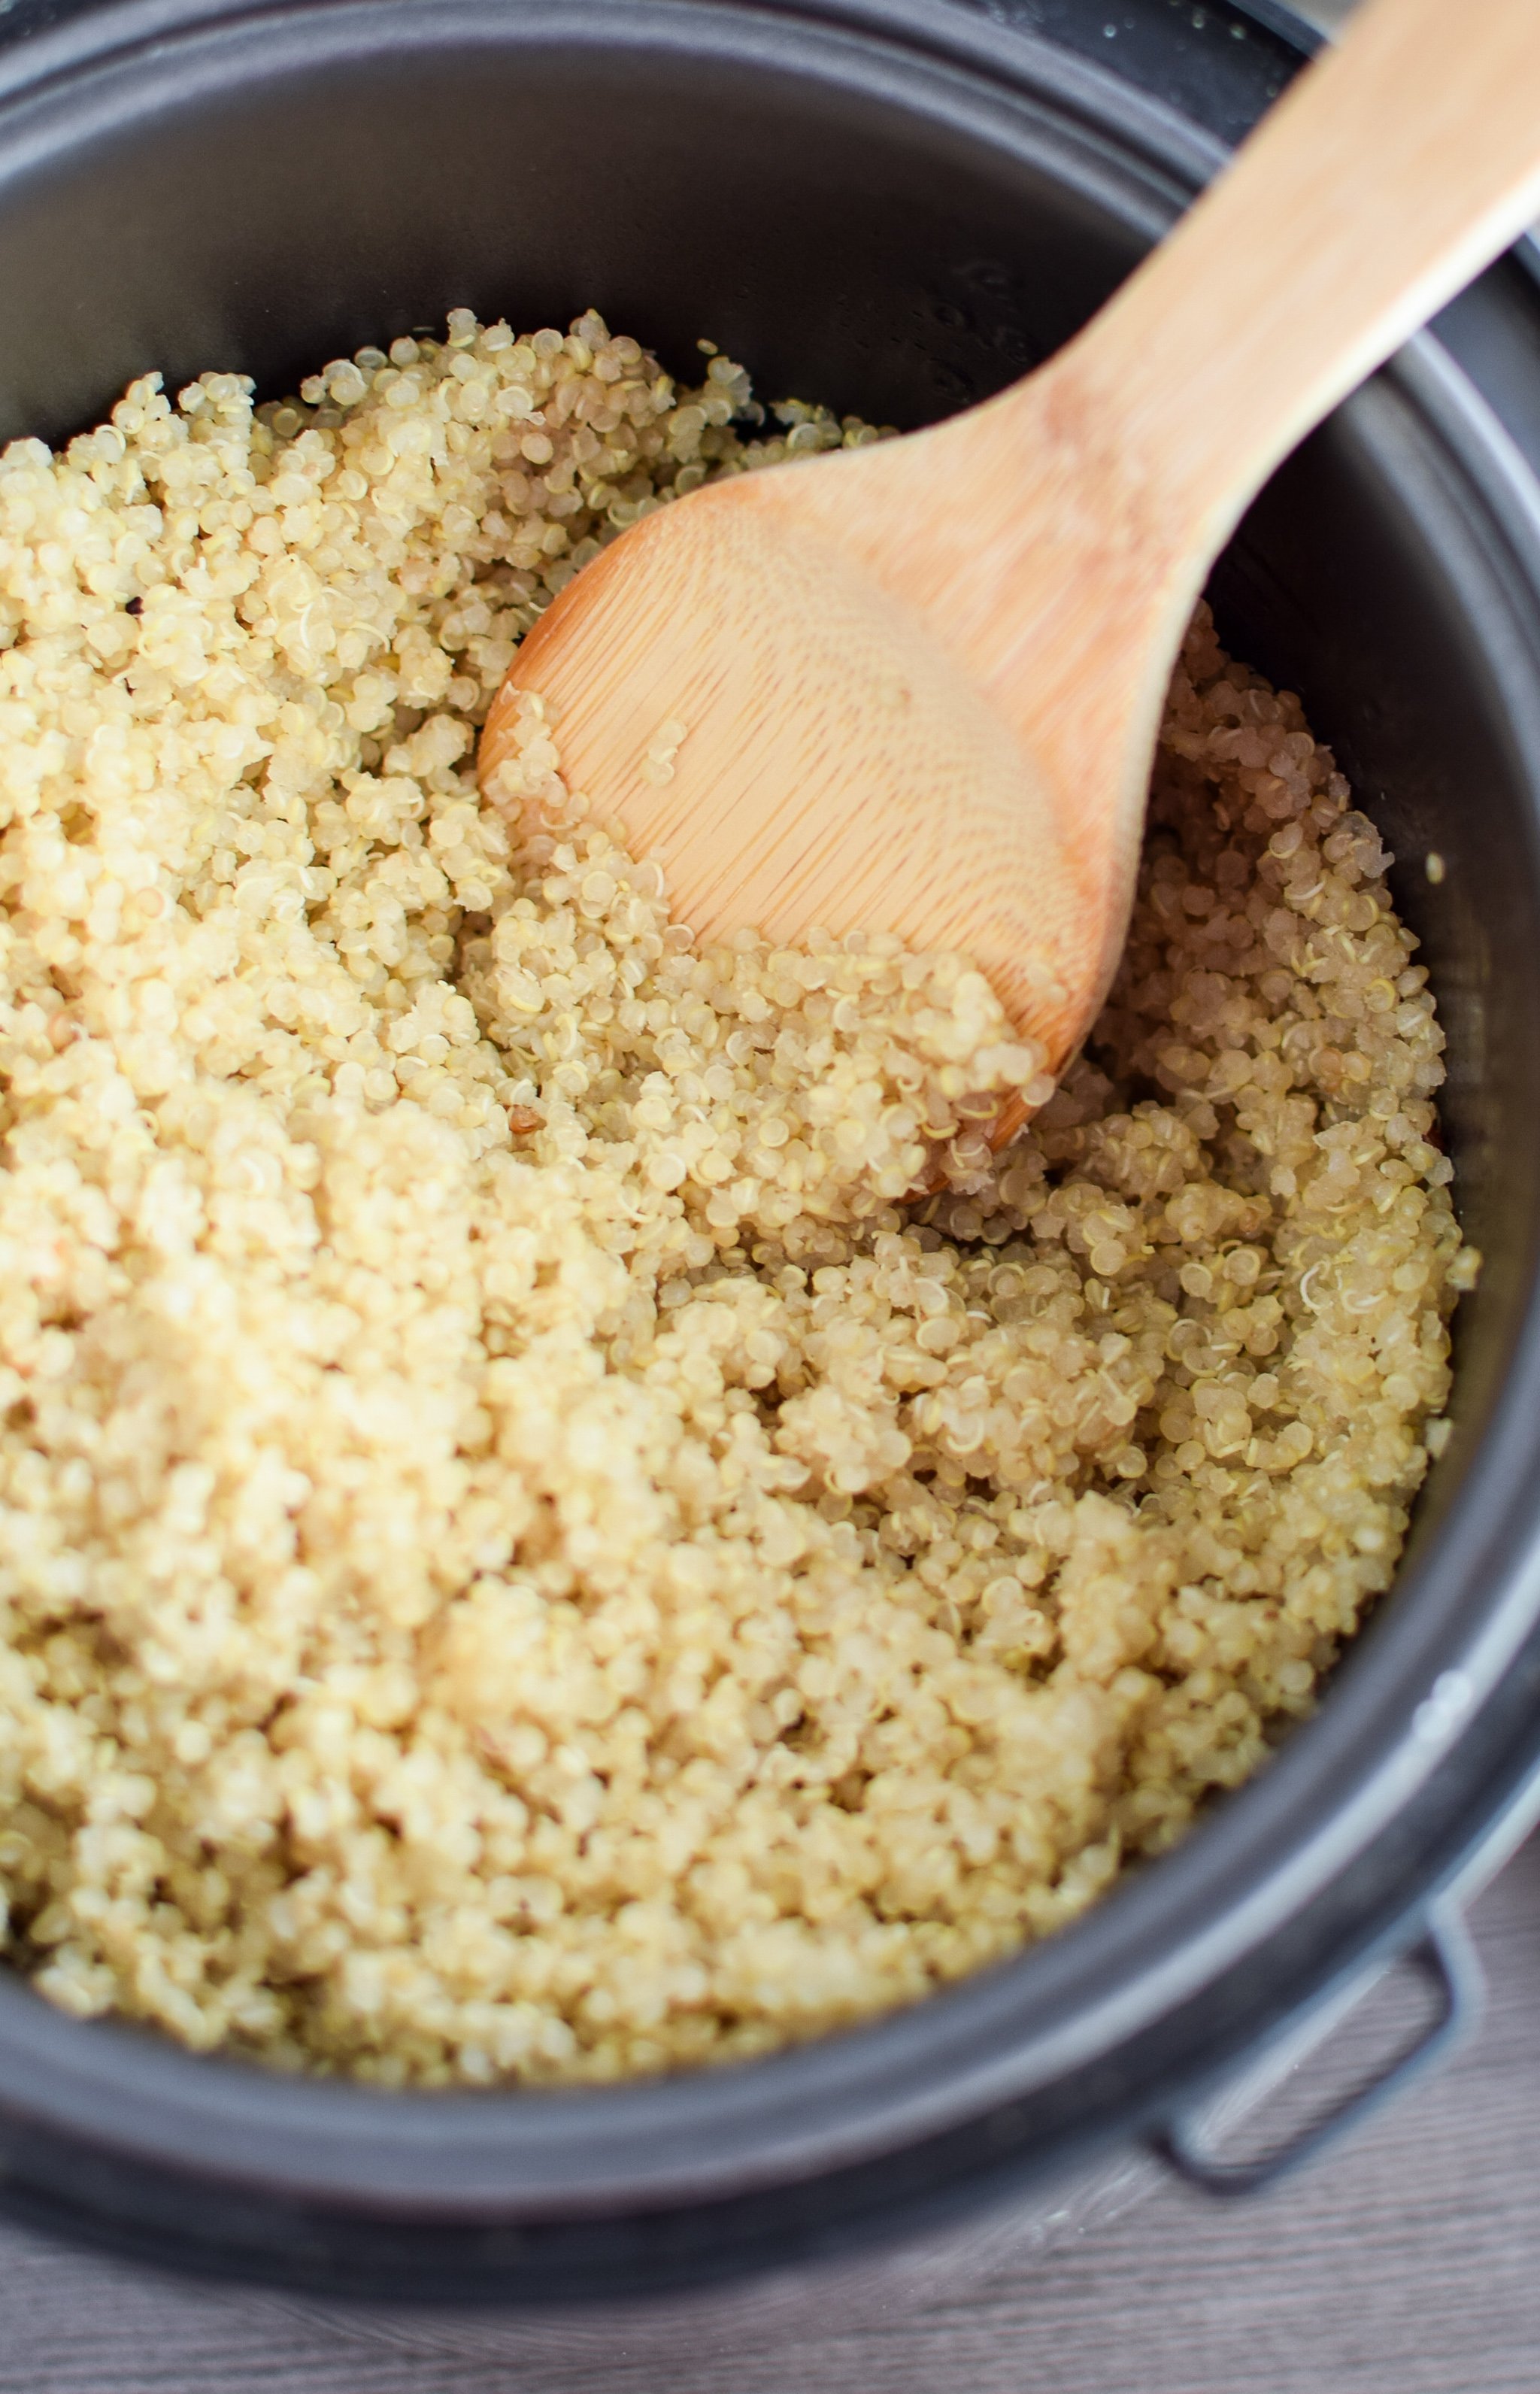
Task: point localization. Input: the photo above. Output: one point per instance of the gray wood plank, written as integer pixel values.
(1404, 2264)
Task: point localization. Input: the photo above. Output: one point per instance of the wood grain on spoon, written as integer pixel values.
(915, 688)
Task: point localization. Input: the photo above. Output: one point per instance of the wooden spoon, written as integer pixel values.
(915, 688)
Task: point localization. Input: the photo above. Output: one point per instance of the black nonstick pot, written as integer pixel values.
(899, 206)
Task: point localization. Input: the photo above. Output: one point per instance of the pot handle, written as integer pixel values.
(1445, 1957)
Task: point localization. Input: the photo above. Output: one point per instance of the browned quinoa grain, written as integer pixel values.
(520, 1554)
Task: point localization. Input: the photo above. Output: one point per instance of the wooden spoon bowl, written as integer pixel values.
(915, 688)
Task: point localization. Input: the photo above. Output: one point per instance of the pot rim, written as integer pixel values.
(1268, 1848)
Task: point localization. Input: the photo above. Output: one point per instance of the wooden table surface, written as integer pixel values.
(1406, 2262)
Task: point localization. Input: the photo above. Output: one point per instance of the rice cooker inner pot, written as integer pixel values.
(898, 207)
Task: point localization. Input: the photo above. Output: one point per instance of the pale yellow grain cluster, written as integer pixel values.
(518, 1553)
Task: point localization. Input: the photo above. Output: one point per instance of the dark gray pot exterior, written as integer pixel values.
(897, 204)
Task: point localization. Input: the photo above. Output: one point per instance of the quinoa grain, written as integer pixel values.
(522, 1553)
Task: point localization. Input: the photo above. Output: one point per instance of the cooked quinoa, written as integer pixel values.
(522, 1552)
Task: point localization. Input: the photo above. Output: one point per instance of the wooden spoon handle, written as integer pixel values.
(1392, 171)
